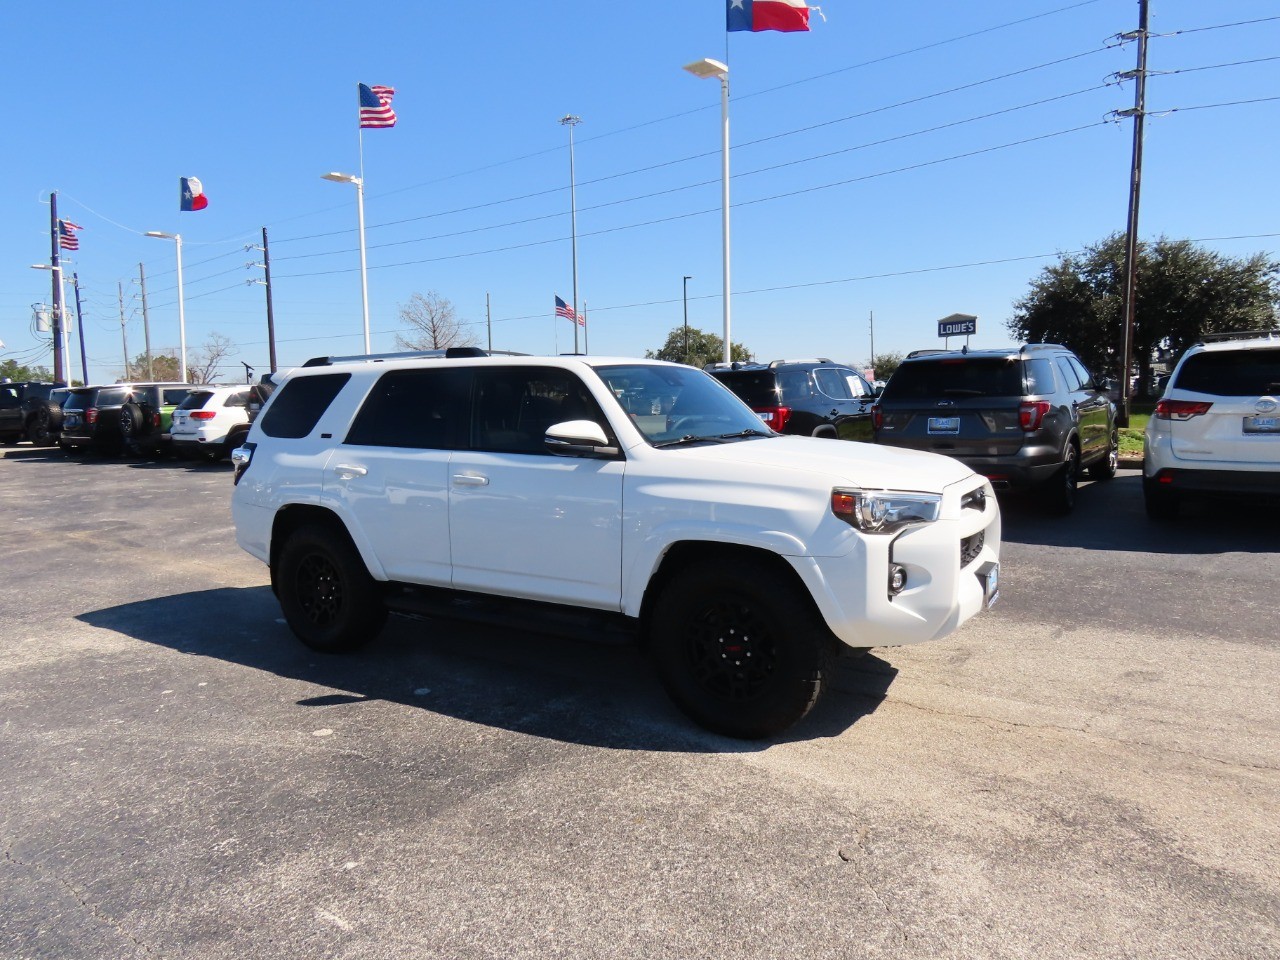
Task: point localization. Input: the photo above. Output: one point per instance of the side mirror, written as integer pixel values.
(578, 438)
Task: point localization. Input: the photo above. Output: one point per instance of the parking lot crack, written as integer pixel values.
(77, 895)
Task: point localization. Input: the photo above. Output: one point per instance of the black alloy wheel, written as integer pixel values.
(741, 650)
(330, 601)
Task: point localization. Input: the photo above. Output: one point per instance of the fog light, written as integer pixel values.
(897, 579)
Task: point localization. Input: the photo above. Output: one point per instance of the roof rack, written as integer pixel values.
(925, 353)
(733, 365)
(1240, 335)
(774, 363)
(1040, 346)
(449, 353)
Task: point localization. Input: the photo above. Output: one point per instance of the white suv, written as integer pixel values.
(213, 420)
(1216, 430)
(523, 488)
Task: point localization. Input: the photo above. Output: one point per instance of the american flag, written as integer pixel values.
(563, 309)
(67, 239)
(375, 106)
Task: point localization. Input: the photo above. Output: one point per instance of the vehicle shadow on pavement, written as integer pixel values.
(1111, 516)
(604, 695)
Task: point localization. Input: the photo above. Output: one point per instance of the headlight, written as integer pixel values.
(884, 511)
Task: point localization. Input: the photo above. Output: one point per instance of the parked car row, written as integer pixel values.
(204, 421)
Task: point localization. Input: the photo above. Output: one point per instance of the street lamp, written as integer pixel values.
(182, 317)
(364, 270)
(706, 69)
(686, 318)
(59, 328)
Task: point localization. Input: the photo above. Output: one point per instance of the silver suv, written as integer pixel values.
(599, 495)
(1026, 418)
(1216, 430)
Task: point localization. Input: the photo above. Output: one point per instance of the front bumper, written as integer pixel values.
(946, 563)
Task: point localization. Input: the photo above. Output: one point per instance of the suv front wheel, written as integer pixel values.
(741, 653)
(329, 600)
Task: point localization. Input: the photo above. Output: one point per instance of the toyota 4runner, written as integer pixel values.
(512, 486)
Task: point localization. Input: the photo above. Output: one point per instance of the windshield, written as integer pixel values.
(675, 404)
(195, 400)
(1234, 373)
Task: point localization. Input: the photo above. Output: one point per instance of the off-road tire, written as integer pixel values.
(740, 650)
(330, 601)
(1061, 489)
(38, 431)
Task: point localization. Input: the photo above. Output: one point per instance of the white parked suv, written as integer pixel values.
(213, 420)
(523, 488)
(1216, 430)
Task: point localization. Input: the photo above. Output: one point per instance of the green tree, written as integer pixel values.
(884, 364)
(701, 348)
(12, 370)
(164, 367)
(1183, 292)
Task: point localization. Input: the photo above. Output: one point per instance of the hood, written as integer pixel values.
(843, 462)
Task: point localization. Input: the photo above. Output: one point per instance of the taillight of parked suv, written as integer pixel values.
(775, 417)
(202, 414)
(1181, 409)
(1031, 414)
(91, 415)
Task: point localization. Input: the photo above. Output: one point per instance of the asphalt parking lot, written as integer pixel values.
(1090, 770)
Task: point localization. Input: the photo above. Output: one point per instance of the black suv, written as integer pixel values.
(1026, 417)
(813, 398)
(120, 418)
(31, 411)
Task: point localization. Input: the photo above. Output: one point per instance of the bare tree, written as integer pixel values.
(205, 363)
(433, 324)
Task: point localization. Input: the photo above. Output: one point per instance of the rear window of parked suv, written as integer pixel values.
(965, 377)
(1231, 373)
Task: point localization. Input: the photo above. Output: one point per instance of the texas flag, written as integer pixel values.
(191, 192)
(786, 16)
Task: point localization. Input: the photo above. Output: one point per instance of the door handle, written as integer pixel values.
(349, 471)
(470, 480)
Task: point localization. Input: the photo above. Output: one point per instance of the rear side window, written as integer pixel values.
(110, 397)
(240, 399)
(423, 409)
(78, 400)
(832, 383)
(174, 395)
(1238, 373)
(1039, 373)
(956, 377)
(302, 401)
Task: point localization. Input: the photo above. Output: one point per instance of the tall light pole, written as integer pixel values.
(571, 121)
(182, 316)
(686, 318)
(706, 69)
(364, 269)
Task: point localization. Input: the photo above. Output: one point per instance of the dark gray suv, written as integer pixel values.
(1028, 417)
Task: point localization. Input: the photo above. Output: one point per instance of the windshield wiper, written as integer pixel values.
(686, 439)
(749, 432)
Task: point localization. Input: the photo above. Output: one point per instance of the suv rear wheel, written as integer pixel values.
(329, 600)
(1060, 492)
(739, 652)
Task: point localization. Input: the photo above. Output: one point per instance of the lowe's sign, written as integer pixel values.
(957, 325)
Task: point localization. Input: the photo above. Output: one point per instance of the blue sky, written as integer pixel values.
(907, 160)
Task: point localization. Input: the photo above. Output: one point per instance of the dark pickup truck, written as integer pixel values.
(31, 411)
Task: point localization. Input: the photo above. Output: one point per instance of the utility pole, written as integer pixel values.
(1131, 231)
(123, 339)
(84, 357)
(271, 320)
(55, 261)
(686, 318)
(872, 321)
(146, 322)
(488, 320)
